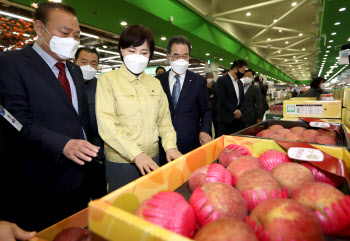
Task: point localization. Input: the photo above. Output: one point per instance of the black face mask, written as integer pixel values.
(239, 75)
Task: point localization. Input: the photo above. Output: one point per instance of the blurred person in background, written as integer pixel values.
(132, 111)
(315, 88)
(212, 100)
(160, 70)
(258, 81)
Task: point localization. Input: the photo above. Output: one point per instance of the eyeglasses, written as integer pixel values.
(186, 56)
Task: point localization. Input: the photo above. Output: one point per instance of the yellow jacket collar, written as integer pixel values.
(130, 76)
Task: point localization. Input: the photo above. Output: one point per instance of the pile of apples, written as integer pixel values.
(73, 234)
(244, 198)
(321, 136)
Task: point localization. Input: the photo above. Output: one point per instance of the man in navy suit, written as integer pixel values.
(230, 98)
(188, 97)
(45, 93)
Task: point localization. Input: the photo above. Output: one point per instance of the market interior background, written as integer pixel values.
(286, 41)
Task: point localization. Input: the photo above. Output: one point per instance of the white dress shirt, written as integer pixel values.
(235, 84)
(172, 80)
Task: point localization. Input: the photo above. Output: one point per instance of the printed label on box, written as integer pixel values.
(305, 154)
(319, 124)
(316, 109)
(12, 120)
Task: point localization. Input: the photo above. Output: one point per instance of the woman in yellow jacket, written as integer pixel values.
(132, 112)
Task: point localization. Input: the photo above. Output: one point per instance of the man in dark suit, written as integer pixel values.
(212, 101)
(230, 93)
(46, 94)
(188, 97)
(252, 106)
(87, 59)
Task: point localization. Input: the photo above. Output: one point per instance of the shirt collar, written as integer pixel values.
(172, 74)
(130, 76)
(50, 61)
(233, 79)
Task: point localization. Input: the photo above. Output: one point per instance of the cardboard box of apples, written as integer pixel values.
(254, 192)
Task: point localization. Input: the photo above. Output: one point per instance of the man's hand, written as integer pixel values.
(237, 114)
(145, 163)
(78, 150)
(204, 138)
(11, 232)
(259, 120)
(172, 154)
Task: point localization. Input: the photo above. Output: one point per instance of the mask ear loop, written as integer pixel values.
(47, 32)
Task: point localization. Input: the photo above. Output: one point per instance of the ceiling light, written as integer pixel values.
(300, 34)
(294, 4)
(279, 52)
(163, 38)
(268, 39)
(275, 20)
(333, 33)
(328, 47)
(348, 39)
(221, 59)
(285, 60)
(89, 35)
(296, 61)
(287, 42)
(293, 57)
(331, 41)
(290, 65)
(342, 9)
(15, 16)
(207, 54)
(305, 58)
(337, 23)
(55, 1)
(231, 63)
(280, 30)
(292, 69)
(34, 5)
(326, 55)
(327, 51)
(248, 14)
(123, 23)
(303, 49)
(104, 46)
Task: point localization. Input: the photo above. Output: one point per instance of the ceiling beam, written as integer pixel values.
(277, 55)
(291, 45)
(212, 8)
(276, 40)
(247, 8)
(280, 18)
(287, 49)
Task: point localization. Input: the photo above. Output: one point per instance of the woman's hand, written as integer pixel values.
(145, 163)
(11, 232)
(172, 154)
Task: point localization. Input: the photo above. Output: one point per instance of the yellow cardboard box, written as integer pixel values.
(111, 217)
(346, 118)
(317, 109)
(303, 98)
(346, 99)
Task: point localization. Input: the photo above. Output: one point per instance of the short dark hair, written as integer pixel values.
(209, 73)
(250, 70)
(256, 79)
(239, 63)
(42, 12)
(224, 71)
(316, 82)
(134, 36)
(87, 49)
(179, 39)
(160, 67)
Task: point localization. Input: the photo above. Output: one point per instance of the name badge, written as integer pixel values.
(12, 120)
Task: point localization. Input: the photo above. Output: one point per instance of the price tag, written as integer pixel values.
(12, 120)
(305, 154)
(320, 124)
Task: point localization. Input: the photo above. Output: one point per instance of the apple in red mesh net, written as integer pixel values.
(325, 140)
(330, 205)
(292, 136)
(276, 136)
(298, 130)
(210, 173)
(226, 229)
(266, 133)
(71, 234)
(169, 210)
(310, 134)
(231, 152)
(285, 219)
(258, 185)
(325, 132)
(324, 176)
(243, 164)
(292, 176)
(283, 132)
(275, 127)
(216, 200)
(271, 158)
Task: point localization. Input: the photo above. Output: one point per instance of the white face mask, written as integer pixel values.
(65, 48)
(88, 72)
(210, 80)
(135, 63)
(179, 66)
(246, 80)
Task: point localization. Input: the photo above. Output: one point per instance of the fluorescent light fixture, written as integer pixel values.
(334, 33)
(268, 39)
(104, 46)
(286, 42)
(303, 49)
(300, 34)
(15, 16)
(327, 51)
(221, 59)
(294, 4)
(106, 51)
(305, 58)
(158, 60)
(123, 23)
(89, 35)
(328, 47)
(159, 53)
(275, 20)
(109, 58)
(207, 54)
(280, 30)
(337, 23)
(342, 9)
(163, 38)
(285, 60)
(231, 63)
(55, 1)
(248, 14)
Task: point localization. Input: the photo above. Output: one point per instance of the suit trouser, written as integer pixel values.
(229, 128)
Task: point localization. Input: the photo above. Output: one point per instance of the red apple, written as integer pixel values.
(169, 210)
(225, 229)
(275, 127)
(243, 164)
(266, 133)
(258, 185)
(310, 134)
(324, 176)
(298, 130)
(71, 234)
(286, 220)
(292, 136)
(325, 140)
(283, 132)
(276, 136)
(307, 139)
(325, 132)
(231, 152)
(292, 176)
(210, 173)
(216, 200)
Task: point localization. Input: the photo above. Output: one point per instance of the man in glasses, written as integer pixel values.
(187, 96)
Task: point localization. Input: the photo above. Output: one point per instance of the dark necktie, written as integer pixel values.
(62, 78)
(176, 91)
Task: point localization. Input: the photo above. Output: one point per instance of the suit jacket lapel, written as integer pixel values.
(46, 73)
(231, 86)
(165, 84)
(185, 90)
(76, 78)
